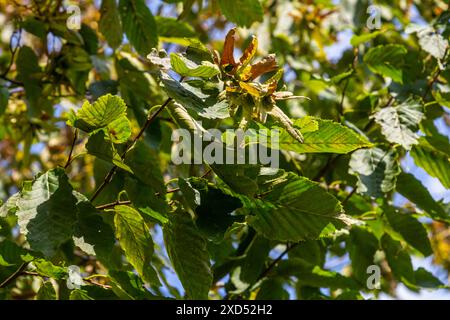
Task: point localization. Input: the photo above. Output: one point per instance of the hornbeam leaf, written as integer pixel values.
(108, 113)
(242, 12)
(193, 99)
(11, 254)
(433, 161)
(387, 60)
(188, 68)
(376, 170)
(425, 279)
(110, 25)
(10, 206)
(136, 241)
(91, 233)
(314, 276)
(173, 30)
(412, 189)
(47, 211)
(101, 148)
(356, 40)
(398, 259)
(410, 229)
(293, 208)
(320, 136)
(400, 123)
(430, 40)
(362, 247)
(46, 292)
(139, 25)
(187, 251)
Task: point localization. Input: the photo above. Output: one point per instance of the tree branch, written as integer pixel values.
(14, 276)
(74, 140)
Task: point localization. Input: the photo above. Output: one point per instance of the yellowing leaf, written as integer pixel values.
(249, 52)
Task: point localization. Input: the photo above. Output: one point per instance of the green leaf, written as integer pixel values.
(29, 72)
(104, 149)
(139, 25)
(242, 12)
(376, 170)
(190, 194)
(213, 221)
(188, 68)
(92, 234)
(47, 212)
(11, 254)
(410, 229)
(398, 259)
(430, 40)
(362, 247)
(128, 286)
(173, 30)
(10, 206)
(145, 163)
(110, 25)
(412, 189)
(193, 99)
(240, 178)
(387, 60)
(187, 251)
(135, 87)
(108, 113)
(90, 39)
(314, 276)
(4, 97)
(400, 123)
(425, 279)
(356, 40)
(272, 289)
(252, 263)
(434, 138)
(144, 199)
(79, 294)
(76, 64)
(47, 269)
(136, 241)
(321, 136)
(34, 26)
(433, 161)
(46, 292)
(293, 208)
(312, 251)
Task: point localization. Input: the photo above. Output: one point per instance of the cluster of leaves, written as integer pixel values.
(86, 122)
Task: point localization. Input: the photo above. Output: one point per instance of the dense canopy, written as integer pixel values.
(348, 99)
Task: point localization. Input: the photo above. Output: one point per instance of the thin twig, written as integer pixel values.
(112, 204)
(74, 140)
(275, 262)
(348, 196)
(105, 182)
(13, 276)
(341, 103)
(13, 54)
